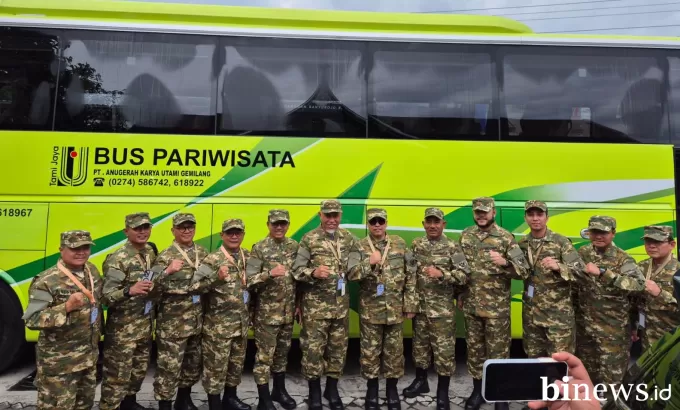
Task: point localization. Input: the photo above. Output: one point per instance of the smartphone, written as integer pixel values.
(520, 380)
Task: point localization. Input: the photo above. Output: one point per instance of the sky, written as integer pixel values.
(632, 17)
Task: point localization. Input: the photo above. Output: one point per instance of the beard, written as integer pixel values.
(488, 223)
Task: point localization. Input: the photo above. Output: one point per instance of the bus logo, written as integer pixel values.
(69, 166)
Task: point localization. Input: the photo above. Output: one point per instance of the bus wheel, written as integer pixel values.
(11, 326)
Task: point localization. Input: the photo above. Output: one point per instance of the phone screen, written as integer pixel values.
(520, 381)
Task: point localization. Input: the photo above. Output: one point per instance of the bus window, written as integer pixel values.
(674, 103)
(429, 91)
(28, 70)
(306, 88)
(137, 82)
(594, 95)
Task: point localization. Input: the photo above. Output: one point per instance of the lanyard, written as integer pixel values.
(233, 262)
(336, 251)
(68, 273)
(186, 257)
(660, 268)
(145, 266)
(387, 249)
(533, 260)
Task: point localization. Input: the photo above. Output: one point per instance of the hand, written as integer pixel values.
(579, 376)
(409, 315)
(223, 273)
(653, 289)
(634, 336)
(141, 288)
(375, 258)
(550, 263)
(279, 270)
(75, 302)
(175, 266)
(298, 314)
(592, 269)
(433, 272)
(497, 258)
(321, 272)
(460, 303)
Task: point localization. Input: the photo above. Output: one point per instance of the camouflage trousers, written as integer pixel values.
(178, 365)
(658, 322)
(324, 347)
(70, 391)
(435, 336)
(223, 358)
(487, 338)
(273, 345)
(125, 365)
(604, 353)
(384, 342)
(543, 341)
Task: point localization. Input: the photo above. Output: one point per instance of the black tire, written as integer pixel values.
(12, 331)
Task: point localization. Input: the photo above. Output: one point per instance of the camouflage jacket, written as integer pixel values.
(180, 312)
(321, 298)
(397, 277)
(226, 301)
(275, 303)
(126, 318)
(488, 293)
(664, 279)
(435, 295)
(604, 298)
(551, 302)
(68, 342)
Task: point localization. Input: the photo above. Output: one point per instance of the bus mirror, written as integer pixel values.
(584, 233)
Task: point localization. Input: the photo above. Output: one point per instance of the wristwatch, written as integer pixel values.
(602, 271)
(126, 292)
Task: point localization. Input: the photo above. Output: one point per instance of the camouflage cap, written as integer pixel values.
(376, 213)
(535, 204)
(74, 239)
(276, 215)
(330, 205)
(138, 219)
(181, 218)
(659, 233)
(602, 223)
(233, 224)
(485, 204)
(436, 212)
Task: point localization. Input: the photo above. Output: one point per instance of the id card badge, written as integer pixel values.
(147, 307)
(148, 275)
(196, 299)
(381, 289)
(246, 297)
(341, 287)
(642, 320)
(93, 315)
(530, 291)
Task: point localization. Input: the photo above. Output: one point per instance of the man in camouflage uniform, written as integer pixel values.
(656, 310)
(65, 306)
(441, 266)
(495, 259)
(180, 316)
(226, 321)
(269, 275)
(387, 294)
(548, 314)
(604, 298)
(127, 341)
(325, 257)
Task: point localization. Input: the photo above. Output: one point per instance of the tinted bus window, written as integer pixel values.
(292, 88)
(431, 92)
(581, 95)
(137, 82)
(674, 103)
(28, 73)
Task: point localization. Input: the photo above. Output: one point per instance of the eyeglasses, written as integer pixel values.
(279, 223)
(186, 228)
(377, 221)
(236, 232)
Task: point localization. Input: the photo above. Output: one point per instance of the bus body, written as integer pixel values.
(109, 108)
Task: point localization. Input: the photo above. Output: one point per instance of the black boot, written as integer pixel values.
(214, 402)
(279, 393)
(419, 385)
(443, 401)
(331, 394)
(475, 400)
(315, 395)
(130, 403)
(230, 401)
(501, 406)
(265, 400)
(164, 404)
(393, 401)
(371, 400)
(183, 401)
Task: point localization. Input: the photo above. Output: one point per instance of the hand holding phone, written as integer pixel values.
(520, 380)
